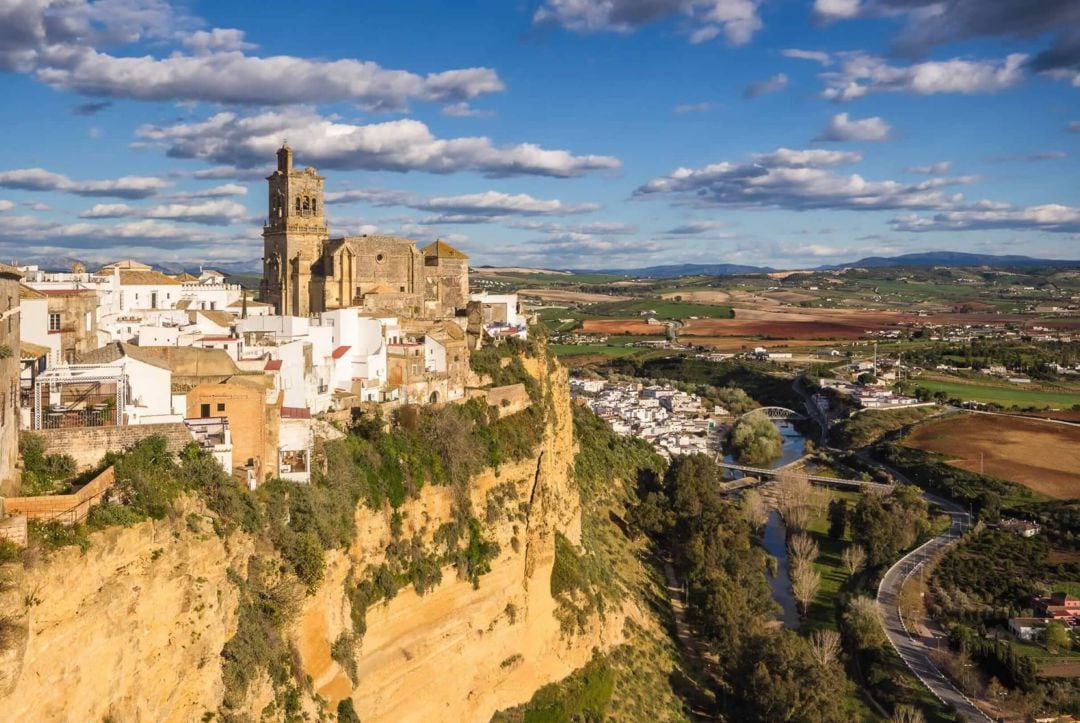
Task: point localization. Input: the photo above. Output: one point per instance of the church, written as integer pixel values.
(306, 272)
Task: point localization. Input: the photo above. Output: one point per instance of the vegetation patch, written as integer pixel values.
(581, 696)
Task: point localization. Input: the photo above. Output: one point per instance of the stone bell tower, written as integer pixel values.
(293, 237)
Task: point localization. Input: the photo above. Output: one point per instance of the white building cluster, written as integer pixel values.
(672, 421)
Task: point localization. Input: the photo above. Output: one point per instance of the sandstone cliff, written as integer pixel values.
(133, 629)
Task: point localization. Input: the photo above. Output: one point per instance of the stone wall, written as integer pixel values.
(14, 529)
(87, 445)
(510, 399)
(69, 509)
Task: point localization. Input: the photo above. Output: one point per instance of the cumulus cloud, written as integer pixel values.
(817, 56)
(1029, 157)
(38, 179)
(1050, 217)
(223, 191)
(843, 128)
(693, 107)
(59, 42)
(468, 208)
(769, 85)
(736, 20)
(217, 212)
(861, 74)
(594, 228)
(400, 145)
(6, 205)
(934, 169)
(797, 180)
(836, 9)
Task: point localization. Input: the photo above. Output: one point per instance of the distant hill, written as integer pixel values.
(951, 258)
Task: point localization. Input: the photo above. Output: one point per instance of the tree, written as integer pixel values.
(1056, 637)
(838, 519)
(797, 499)
(853, 557)
(805, 582)
(863, 623)
(995, 691)
(779, 679)
(803, 548)
(825, 646)
(753, 507)
(755, 439)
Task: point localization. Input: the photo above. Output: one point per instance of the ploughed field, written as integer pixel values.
(1041, 455)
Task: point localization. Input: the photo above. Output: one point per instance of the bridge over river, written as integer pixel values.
(759, 472)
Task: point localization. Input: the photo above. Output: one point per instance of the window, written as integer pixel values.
(204, 411)
(221, 407)
(89, 321)
(54, 321)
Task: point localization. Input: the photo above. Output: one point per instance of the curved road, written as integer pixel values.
(913, 650)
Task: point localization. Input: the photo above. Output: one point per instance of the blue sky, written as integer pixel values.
(556, 133)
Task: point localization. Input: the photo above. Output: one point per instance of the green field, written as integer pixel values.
(588, 349)
(1006, 397)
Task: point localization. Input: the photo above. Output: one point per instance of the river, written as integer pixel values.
(775, 539)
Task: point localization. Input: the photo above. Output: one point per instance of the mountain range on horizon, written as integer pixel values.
(926, 258)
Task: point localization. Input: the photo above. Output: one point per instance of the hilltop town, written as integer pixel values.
(96, 359)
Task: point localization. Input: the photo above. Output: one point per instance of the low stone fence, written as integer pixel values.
(87, 445)
(68, 509)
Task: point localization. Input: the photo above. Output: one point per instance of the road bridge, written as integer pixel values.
(816, 479)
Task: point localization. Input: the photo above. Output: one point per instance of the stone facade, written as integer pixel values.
(9, 375)
(87, 445)
(73, 315)
(305, 271)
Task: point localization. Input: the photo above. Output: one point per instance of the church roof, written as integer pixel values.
(146, 278)
(443, 250)
(185, 276)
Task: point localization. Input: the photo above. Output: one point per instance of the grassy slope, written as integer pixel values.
(1005, 396)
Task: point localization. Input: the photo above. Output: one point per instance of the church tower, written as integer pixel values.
(293, 237)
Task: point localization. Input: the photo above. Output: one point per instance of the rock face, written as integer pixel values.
(134, 628)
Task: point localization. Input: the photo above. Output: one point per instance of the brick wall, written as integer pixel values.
(66, 508)
(510, 399)
(87, 445)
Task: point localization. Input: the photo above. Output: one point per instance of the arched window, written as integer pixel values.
(298, 204)
(314, 206)
(307, 204)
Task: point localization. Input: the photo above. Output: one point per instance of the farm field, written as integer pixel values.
(663, 308)
(565, 350)
(1043, 456)
(1015, 396)
(568, 295)
(622, 326)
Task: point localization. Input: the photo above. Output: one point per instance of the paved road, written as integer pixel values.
(914, 650)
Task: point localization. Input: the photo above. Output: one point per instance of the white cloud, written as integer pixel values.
(769, 85)
(6, 205)
(464, 110)
(934, 169)
(836, 9)
(796, 180)
(817, 56)
(209, 213)
(1073, 127)
(693, 107)
(468, 208)
(1047, 217)
(736, 20)
(38, 179)
(60, 40)
(400, 145)
(109, 210)
(861, 74)
(223, 191)
(843, 128)
(216, 40)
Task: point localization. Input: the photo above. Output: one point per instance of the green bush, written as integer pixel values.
(108, 514)
(755, 440)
